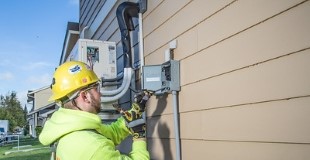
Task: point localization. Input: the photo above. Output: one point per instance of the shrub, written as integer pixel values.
(38, 130)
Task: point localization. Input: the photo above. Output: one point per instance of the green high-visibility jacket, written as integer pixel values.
(82, 136)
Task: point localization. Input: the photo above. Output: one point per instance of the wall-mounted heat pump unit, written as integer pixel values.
(101, 56)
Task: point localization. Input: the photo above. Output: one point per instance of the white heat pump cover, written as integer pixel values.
(99, 54)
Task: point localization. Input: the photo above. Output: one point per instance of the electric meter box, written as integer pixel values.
(162, 78)
(101, 57)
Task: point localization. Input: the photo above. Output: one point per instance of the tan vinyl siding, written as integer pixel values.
(240, 16)
(266, 122)
(282, 121)
(227, 150)
(162, 149)
(186, 18)
(161, 14)
(273, 80)
(245, 90)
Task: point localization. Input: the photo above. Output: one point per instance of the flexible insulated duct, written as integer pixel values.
(125, 12)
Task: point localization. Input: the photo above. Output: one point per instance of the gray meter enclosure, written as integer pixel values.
(162, 78)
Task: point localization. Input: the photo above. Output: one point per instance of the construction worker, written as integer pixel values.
(76, 130)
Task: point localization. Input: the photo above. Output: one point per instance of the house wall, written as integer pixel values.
(245, 75)
(244, 78)
(41, 98)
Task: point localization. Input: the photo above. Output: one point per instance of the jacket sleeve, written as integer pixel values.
(107, 151)
(116, 131)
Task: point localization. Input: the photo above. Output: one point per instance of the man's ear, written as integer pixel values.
(84, 97)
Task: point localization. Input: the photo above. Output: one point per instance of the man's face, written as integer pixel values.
(95, 100)
(94, 94)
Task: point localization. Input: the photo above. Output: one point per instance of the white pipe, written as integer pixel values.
(141, 46)
(176, 125)
(118, 96)
(82, 35)
(127, 72)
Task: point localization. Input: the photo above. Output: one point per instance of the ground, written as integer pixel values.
(29, 149)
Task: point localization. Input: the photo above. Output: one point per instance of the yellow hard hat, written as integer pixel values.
(69, 78)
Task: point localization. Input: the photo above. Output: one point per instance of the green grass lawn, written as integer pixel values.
(39, 154)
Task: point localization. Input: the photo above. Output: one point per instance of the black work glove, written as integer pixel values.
(140, 99)
(135, 117)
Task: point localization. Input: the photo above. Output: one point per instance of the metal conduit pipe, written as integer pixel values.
(126, 79)
(103, 80)
(111, 84)
(141, 49)
(118, 96)
(176, 125)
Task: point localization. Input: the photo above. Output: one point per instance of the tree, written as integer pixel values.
(25, 112)
(11, 109)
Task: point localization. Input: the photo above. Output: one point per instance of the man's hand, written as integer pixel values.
(141, 98)
(135, 117)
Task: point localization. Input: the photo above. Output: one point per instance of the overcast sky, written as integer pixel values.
(31, 38)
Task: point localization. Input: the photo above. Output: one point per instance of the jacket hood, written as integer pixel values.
(65, 121)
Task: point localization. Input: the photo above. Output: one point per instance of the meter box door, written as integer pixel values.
(101, 56)
(162, 78)
(152, 77)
